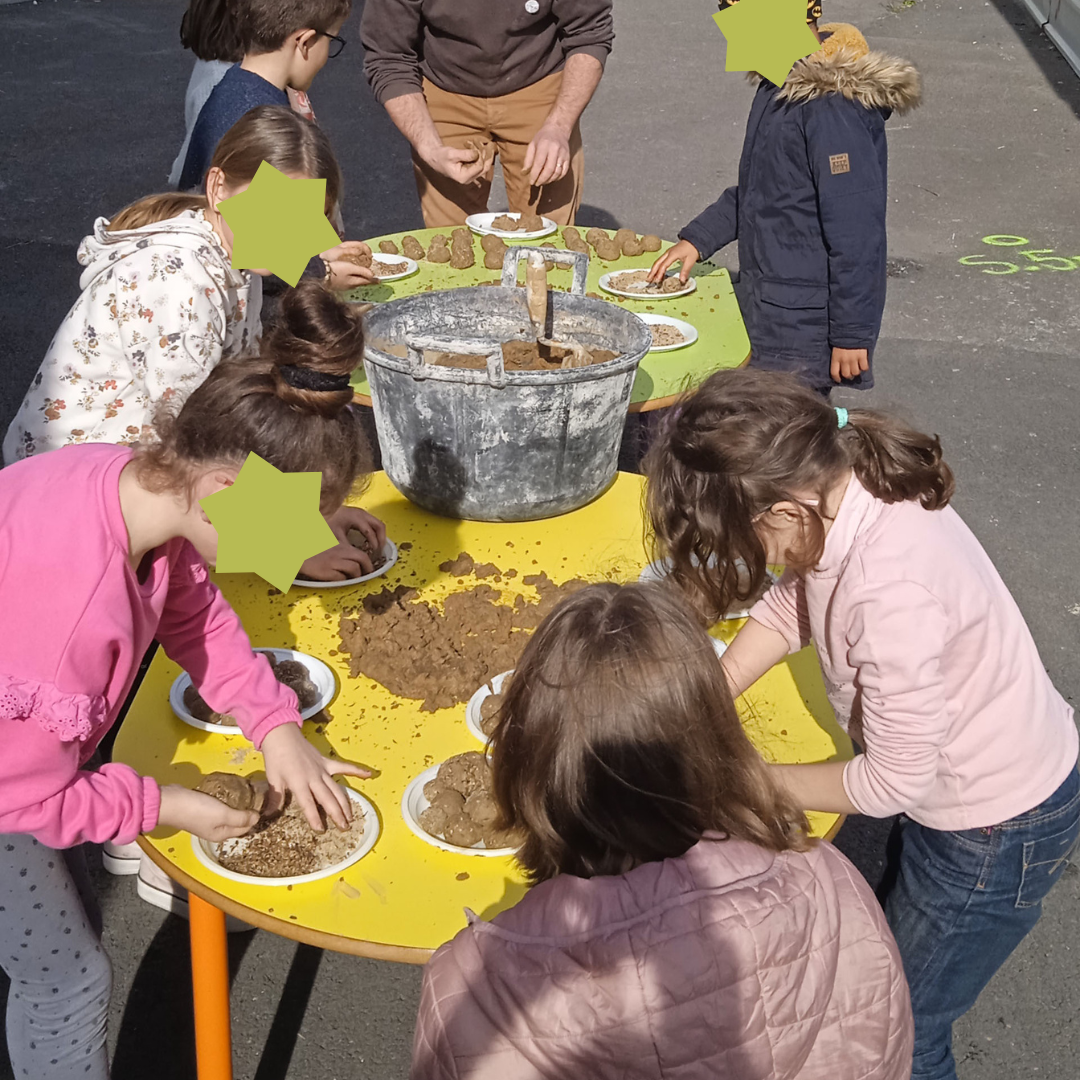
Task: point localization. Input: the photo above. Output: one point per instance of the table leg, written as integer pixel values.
(210, 986)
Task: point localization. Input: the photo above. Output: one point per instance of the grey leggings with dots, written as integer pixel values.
(50, 948)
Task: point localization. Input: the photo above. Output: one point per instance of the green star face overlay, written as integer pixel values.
(767, 36)
(278, 224)
(268, 522)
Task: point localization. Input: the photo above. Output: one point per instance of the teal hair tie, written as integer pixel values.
(841, 417)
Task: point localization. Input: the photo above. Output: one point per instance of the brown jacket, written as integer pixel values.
(482, 48)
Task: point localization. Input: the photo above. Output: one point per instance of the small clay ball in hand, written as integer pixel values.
(237, 792)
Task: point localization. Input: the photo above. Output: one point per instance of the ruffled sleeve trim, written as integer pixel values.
(71, 717)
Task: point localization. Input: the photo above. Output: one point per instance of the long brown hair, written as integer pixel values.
(746, 440)
(253, 405)
(618, 743)
(273, 133)
(209, 29)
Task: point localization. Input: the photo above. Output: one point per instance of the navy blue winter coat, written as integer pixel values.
(809, 208)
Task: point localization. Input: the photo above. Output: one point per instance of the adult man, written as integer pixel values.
(463, 78)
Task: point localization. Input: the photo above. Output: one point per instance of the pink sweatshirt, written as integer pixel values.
(76, 623)
(927, 657)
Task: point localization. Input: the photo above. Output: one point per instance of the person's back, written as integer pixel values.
(278, 57)
(682, 923)
(729, 961)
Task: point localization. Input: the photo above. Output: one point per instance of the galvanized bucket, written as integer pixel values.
(490, 444)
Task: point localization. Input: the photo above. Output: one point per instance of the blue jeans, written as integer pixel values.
(962, 901)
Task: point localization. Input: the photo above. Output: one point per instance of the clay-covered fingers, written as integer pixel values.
(547, 157)
(464, 166)
(659, 268)
(202, 814)
(347, 275)
(336, 802)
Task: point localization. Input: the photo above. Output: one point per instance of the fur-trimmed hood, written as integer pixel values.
(845, 65)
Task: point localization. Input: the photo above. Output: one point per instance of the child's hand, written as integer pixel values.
(202, 815)
(293, 764)
(683, 252)
(346, 561)
(352, 517)
(345, 274)
(847, 363)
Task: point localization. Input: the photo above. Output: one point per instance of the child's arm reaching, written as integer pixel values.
(756, 649)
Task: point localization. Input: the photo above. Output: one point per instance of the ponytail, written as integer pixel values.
(271, 133)
(272, 405)
(746, 440)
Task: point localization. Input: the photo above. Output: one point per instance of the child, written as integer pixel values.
(85, 619)
(285, 44)
(682, 923)
(809, 211)
(926, 657)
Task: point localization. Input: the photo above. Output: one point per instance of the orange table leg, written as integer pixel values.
(210, 984)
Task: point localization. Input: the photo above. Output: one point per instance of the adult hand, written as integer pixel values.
(847, 363)
(462, 166)
(293, 764)
(683, 252)
(345, 560)
(202, 815)
(343, 273)
(547, 158)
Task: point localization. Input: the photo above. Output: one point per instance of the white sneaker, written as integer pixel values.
(157, 888)
(121, 859)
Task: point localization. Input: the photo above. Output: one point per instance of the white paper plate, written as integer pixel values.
(472, 710)
(414, 803)
(718, 645)
(319, 673)
(389, 550)
(207, 852)
(657, 571)
(389, 260)
(481, 224)
(684, 328)
(605, 284)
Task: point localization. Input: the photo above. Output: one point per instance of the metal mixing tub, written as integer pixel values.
(490, 444)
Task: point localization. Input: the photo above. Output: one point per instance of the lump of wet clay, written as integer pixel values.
(651, 242)
(236, 791)
(530, 221)
(573, 242)
(439, 251)
(360, 541)
(594, 236)
(198, 708)
(607, 250)
(484, 148)
(411, 248)
(296, 677)
(462, 255)
(357, 258)
(631, 245)
(480, 806)
(624, 234)
(462, 808)
(388, 247)
(494, 252)
(505, 223)
(489, 713)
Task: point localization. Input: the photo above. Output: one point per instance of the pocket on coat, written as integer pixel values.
(794, 295)
(1044, 860)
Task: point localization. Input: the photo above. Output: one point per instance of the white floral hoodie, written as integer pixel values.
(160, 307)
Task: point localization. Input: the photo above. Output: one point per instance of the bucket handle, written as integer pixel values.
(415, 348)
(577, 259)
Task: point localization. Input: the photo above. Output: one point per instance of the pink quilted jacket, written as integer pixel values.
(729, 962)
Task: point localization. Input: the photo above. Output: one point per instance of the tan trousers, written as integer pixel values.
(510, 122)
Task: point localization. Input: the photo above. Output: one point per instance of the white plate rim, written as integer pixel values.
(475, 223)
(320, 673)
(472, 709)
(658, 570)
(392, 558)
(605, 279)
(386, 257)
(417, 785)
(688, 330)
(371, 834)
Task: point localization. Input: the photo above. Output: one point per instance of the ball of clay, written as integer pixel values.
(631, 245)
(490, 242)
(595, 235)
(357, 258)
(494, 256)
(530, 222)
(651, 242)
(450, 802)
(500, 838)
(464, 772)
(461, 235)
(388, 247)
(412, 248)
(433, 820)
(462, 832)
(198, 708)
(438, 252)
(573, 242)
(433, 788)
(505, 223)
(624, 234)
(462, 255)
(608, 250)
(298, 679)
(481, 808)
(236, 791)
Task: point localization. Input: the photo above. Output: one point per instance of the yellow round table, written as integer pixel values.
(405, 897)
(712, 309)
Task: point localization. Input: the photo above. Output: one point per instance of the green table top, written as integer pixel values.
(712, 310)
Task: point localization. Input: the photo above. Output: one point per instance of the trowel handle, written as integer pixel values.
(578, 259)
(415, 347)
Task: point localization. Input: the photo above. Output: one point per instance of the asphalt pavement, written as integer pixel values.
(981, 352)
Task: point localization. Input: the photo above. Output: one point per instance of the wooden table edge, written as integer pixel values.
(372, 950)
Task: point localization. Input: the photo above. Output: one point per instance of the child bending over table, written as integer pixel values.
(681, 921)
(809, 210)
(102, 549)
(927, 661)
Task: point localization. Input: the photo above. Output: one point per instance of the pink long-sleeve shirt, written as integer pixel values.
(930, 666)
(76, 621)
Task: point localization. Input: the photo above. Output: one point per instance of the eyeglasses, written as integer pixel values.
(336, 44)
